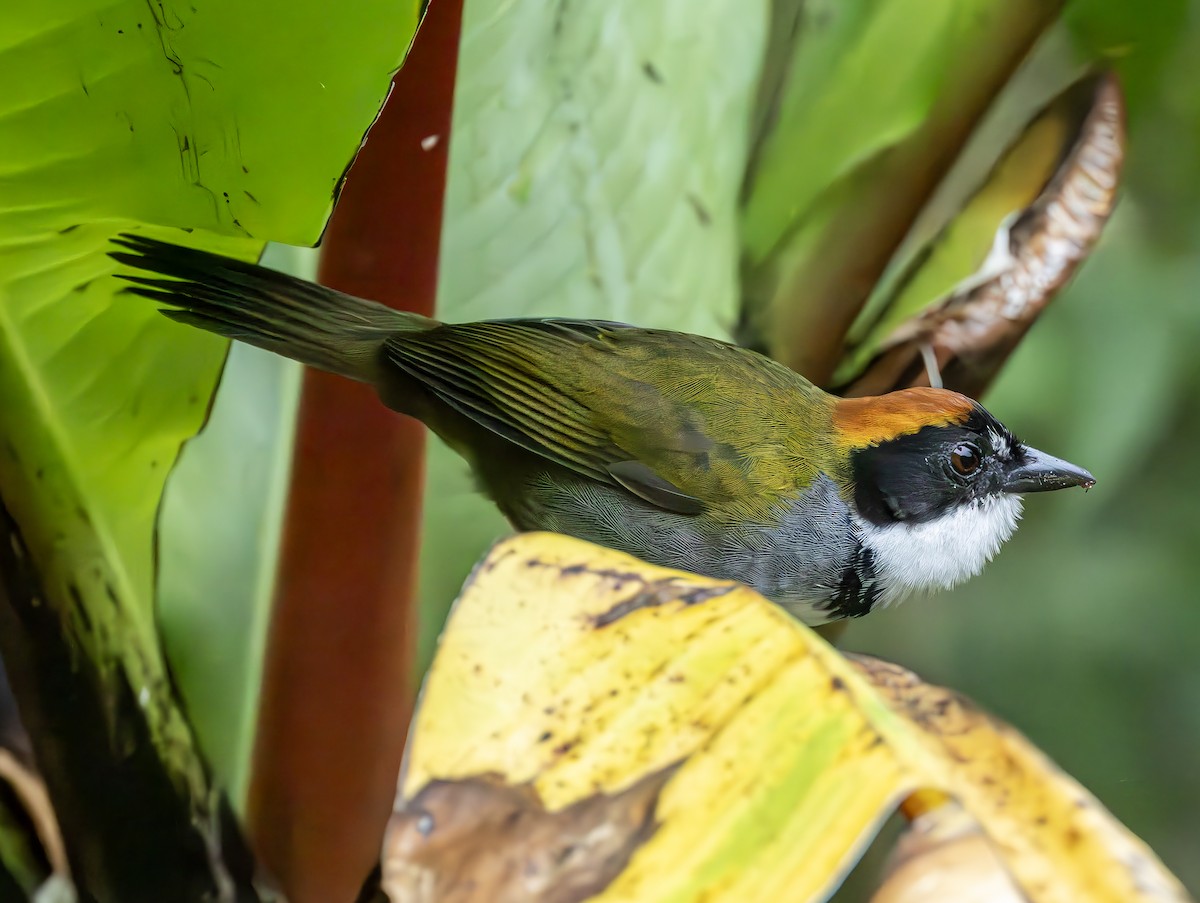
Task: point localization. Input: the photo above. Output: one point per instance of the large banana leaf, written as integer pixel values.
(667, 737)
(117, 114)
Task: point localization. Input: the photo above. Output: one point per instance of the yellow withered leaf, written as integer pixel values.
(1053, 836)
(595, 728)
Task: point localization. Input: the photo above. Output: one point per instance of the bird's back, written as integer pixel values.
(719, 423)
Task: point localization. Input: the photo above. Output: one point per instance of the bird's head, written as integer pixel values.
(936, 482)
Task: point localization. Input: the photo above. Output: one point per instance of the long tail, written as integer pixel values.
(301, 320)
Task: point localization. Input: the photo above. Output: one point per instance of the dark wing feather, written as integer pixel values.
(499, 396)
(643, 482)
(684, 422)
(496, 374)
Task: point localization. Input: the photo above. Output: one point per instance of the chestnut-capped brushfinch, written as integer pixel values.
(685, 451)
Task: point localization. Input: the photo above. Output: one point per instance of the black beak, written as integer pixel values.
(1039, 472)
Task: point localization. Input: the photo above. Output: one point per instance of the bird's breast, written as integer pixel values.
(943, 552)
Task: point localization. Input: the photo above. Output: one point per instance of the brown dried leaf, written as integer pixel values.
(973, 331)
(476, 839)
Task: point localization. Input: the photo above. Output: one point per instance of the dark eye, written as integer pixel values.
(965, 459)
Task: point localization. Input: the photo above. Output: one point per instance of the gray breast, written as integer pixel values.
(809, 560)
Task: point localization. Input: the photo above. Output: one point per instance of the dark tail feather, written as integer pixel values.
(301, 320)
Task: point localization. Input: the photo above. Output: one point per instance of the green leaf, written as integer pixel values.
(879, 99)
(99, 394)
(118, 113)
(598, 150)
(864, 77)
(189, 116)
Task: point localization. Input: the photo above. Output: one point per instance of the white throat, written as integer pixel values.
(940, 553)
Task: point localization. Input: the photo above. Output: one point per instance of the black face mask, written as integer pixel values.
(918, 478)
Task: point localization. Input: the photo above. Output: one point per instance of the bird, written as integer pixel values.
(684, 451)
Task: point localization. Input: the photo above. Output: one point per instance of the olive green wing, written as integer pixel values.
(670, 417)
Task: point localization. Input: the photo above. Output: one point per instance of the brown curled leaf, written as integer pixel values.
(481, 840)
(972, 331)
